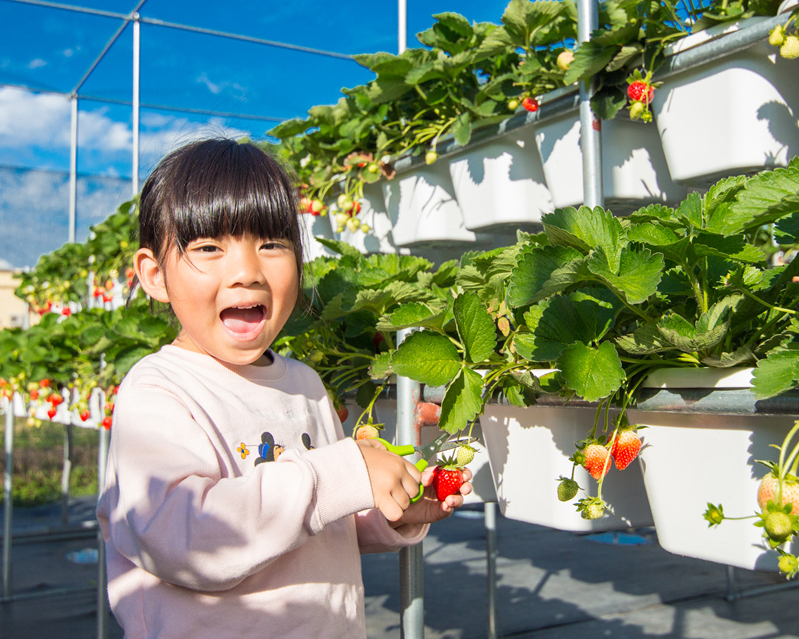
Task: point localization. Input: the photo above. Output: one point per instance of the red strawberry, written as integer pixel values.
(640, 91)
(447, 480)
(51, 413)
(531, 104)
(768, 492)
(66, 312)
(107, 423)
(367, 431)
(595, 457)
(34, 394)
(342, 413)
(55, 399)
(625, 448)
(84, 415)
(44, 383)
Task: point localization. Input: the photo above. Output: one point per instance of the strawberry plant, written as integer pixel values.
(778, 500)
(606, 300)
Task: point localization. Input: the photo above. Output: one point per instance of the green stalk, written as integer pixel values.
(779, 309)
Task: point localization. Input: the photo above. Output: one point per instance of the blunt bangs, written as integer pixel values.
(214, 188)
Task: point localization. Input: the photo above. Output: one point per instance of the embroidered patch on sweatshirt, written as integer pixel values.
(268, 449)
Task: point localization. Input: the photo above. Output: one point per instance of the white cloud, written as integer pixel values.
(33, 118)
(38, 62)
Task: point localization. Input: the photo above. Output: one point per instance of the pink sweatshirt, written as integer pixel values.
(234, 506)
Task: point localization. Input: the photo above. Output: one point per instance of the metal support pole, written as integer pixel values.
(73, 171)
(8, 495)
(411, 558)
(66, 474)
(402, 27)
(490, 512)
(136, 58)
(590, 125)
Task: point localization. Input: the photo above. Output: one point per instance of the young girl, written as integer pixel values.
(234, 505)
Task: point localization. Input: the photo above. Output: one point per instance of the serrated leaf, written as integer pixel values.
(766, 198)
(462, 401)
(778, 372)
(589, 59)
(407, 316)
(731, 246)
(592, 373)
(690, 210)
(534, 271)
(475, 327)
(645, 340)
(638, 275)
(462, 129)
(710, 329)
(427, 357)
(585, 229)
(381, 367)
(739, 356)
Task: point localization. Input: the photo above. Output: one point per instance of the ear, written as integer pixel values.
(150, 274)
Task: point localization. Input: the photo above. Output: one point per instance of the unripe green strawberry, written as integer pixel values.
(430, 157)
(465, 455)
(790, 48)
(636, 110)
(778, 526)
(593, 510)
(788, 564)
(567, 489)
(776, 36)
(513, 104)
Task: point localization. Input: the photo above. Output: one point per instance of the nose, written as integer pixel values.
(244, 265)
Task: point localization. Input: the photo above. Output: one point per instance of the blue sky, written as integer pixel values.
(50, 50)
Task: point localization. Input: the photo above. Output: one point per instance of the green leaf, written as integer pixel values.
(342, 248)
(690, 210)
(709, 331)
(778, 372)
(462, 401)
(475, 327)
(381, 367)
(407, 316)
(589, 59)
(741, 355)
(766, 198)
(731, 246)
(523, 18)
(427, 357)
(592, 373)
(462, 129)
(645, 340)
(585, 229)
(638, 275)
(537, 273)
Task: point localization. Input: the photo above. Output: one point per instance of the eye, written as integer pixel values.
(274, 245)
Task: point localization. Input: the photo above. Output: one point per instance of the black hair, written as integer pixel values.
(217, 187)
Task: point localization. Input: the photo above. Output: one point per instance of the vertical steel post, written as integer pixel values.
(411, 558)
(8, 495)
(136, 59)
(103, 613)
(66, 474)
(73, 170)
(590, 125)
(490, 512)
(402, 27)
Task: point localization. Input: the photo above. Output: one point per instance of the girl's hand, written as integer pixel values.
(428, 509)
(394, 480)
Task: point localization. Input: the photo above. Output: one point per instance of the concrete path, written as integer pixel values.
(550, 585)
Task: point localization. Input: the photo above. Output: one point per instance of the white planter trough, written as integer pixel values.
(529, 448)
(635, 172)
(500, 183)
(691, 459)
(735, 115)
(312, 226)
(423, 209)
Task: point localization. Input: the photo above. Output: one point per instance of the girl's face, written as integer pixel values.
(232, 295)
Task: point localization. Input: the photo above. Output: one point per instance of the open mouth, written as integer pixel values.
(243, 322)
